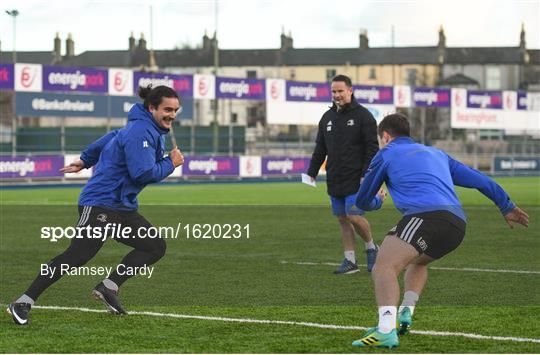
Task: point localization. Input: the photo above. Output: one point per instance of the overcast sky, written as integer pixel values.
(101, 25)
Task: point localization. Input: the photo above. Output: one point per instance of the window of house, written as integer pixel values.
(251, 74)
(412, 75)
(330, 73)
(372, 73)
(292, 74)
(493, 78)
(252, 117)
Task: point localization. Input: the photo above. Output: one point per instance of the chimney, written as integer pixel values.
(364, 40)
(442, 38)
(523, 45)
(286, 41)
(214, 41)
(131, 42)
(57, 51)
(70, 46)
(152, 66)
(142, 42)
(441, 47)
(206, 43)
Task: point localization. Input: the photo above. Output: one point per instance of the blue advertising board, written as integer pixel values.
(48, 104)
(516, 165)
(120, 106)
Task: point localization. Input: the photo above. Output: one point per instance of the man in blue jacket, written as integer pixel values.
(126, 161)
(421, 181)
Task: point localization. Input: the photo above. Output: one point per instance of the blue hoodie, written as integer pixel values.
(421, 179)
(129, 159)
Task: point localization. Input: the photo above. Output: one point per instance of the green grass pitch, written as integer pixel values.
(262, 277)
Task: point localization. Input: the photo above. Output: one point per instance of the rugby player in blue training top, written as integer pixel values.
(129, 159)
(421, 181)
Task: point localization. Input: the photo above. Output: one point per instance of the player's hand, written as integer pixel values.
(176, 157)
(382, 194)
(517, 215)
(74, 167)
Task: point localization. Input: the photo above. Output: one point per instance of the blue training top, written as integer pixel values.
(127, 160)
(421, 179)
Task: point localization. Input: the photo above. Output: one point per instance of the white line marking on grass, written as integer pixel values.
(60, 203)
(64, 203)
(431, 267)
(304, 324)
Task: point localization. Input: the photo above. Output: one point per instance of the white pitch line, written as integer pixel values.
(304, 324)
(430, 267)
(165, 204)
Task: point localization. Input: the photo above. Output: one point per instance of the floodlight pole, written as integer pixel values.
(216, 65)
(393, 56)
(14, 13)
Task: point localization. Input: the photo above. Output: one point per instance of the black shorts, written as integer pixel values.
(118, 220)
(434, 233)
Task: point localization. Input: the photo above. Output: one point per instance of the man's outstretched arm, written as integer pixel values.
(90, 156)
(465, 176)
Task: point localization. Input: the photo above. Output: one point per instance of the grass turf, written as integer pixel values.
(245, 278)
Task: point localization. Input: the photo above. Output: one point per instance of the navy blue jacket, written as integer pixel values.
(127, 160)
(422, 179)
(348, 141)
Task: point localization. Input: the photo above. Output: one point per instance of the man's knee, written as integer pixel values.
(360, 222)
(383, 269)
(358, 218)
(343, 220)
(159, 248)
(394, 255)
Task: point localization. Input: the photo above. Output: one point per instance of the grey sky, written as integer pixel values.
(104, 24)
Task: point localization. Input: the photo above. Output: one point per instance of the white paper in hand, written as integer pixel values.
(306, 179)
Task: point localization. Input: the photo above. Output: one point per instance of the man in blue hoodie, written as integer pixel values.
(125, 160)
(421, 181)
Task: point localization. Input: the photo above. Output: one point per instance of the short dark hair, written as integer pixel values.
(154, 96)
(343, 78)
(395, 125)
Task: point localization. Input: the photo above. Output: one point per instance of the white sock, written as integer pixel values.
(25, 299)
(349, 255)
(370, 245)
(110, 285)
(387, 319)
(409, 300)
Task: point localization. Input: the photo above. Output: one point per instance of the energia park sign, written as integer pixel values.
(48, 166)
(288, 102)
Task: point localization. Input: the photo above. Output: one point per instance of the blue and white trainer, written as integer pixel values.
(371, 255)
(347, 267)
